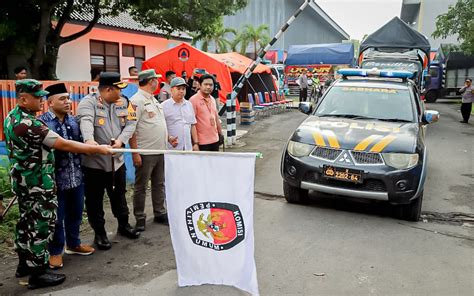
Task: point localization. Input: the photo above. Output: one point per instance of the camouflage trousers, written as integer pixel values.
(35, 227)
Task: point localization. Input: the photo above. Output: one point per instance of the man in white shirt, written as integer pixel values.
(180, 118)
(150, 133)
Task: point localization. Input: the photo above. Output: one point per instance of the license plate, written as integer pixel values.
(342, 174)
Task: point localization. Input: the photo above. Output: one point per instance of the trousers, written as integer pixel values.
(69, 219)
(35, 226)
(152, 169)
(95, 182)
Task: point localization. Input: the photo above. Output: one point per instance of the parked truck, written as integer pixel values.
(396, 46)
(448, 73)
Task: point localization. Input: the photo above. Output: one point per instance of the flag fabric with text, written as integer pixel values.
(210, 210)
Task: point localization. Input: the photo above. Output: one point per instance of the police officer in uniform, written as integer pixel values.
(30, 148)
(106, 117)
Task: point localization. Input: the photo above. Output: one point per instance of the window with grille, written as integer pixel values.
(104, 56)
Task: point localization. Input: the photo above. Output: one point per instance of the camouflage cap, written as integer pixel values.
(30, 86)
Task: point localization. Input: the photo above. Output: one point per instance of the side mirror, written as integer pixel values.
(305, 107)
(431, 116)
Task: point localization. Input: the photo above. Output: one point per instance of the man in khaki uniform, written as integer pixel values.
(150, 133)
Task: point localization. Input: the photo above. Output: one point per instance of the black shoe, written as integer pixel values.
(128, 231)
(23, 270)
(463, 121)
(162, 219)
(102, 242)
(140, 226)
(45, 279)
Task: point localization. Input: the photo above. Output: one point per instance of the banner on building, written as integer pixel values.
(210, 210)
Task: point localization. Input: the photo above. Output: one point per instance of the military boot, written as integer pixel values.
(41, 277)
(126, 230)
(102, 241)
(22, 269)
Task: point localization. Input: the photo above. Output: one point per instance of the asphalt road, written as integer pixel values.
(330, 247)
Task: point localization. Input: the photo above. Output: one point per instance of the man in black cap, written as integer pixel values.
(69, 183)
(106, 117)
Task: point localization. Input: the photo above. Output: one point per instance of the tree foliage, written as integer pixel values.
(257, 36)
(217, 37)
(33, 28)
(458, 20)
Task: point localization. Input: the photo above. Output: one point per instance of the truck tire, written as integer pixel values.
(431, 96)
(295, 194)
(411, 211)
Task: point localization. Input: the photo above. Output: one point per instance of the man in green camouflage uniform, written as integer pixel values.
(30, 147)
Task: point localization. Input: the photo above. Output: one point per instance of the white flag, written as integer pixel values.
(210, 209)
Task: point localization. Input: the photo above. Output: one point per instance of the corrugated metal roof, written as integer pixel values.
(125, 21)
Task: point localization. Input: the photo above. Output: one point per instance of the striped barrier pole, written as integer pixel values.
(228, 107)
(240, 83)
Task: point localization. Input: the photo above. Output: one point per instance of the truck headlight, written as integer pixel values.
(298, 149)
(401, 160)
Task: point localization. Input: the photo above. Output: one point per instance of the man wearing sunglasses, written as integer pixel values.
(30, 146)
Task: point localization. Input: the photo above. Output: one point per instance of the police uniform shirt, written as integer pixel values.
(101, 121)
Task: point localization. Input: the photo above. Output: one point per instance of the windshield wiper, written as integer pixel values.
(351, 116)
(394, 119)
(354, 116)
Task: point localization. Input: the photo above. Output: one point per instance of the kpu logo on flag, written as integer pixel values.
(215, 225)
(210, 199)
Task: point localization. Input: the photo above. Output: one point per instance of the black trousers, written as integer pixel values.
(303, 94)
(95, 182)
(209, 147)
(466, 111)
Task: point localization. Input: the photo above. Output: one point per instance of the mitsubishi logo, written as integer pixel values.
(345, 158)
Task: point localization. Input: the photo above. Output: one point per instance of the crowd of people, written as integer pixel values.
(52, 179)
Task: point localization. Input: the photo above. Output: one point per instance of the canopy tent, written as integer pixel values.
(225, 66)
(396, 34)
(314, 54)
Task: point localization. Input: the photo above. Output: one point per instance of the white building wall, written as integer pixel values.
(74, 57)
(429, 10)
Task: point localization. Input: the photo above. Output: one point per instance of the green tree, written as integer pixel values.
(458, 20)
(33, 27)
(257, 36)
(217, 37)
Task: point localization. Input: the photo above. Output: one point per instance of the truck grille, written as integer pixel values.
(366, 157)
(326, 153)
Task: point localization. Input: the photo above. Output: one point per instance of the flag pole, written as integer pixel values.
(230, 102)
(158, 151)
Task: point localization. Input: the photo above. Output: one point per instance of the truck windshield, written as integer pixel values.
(367, 102)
